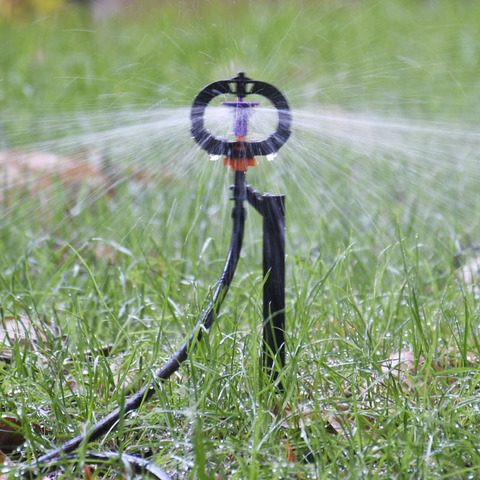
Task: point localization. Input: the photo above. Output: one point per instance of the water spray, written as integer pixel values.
(239, 155)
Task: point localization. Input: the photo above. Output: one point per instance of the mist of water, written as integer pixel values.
(357, 171)
(432, 167)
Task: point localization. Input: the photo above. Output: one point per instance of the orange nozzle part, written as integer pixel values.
(240, 163)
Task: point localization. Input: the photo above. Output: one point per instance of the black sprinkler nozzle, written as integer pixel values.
(241, 86)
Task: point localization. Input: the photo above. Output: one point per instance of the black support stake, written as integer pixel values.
(272, 209)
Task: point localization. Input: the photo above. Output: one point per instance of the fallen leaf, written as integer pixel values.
(10, 436)
(402, 364)
(6, 355)
(88, 472)
(19, 330)
(90, 356)
(109, 250)
(35, 171)
(106, 252)
(4, 462)
(411, 372)
(303, 416)
(104, 350)
(125, 380)
(413, 375)
(290, 453)
(290, 449)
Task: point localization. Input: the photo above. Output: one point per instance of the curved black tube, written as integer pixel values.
(173, 364)
(137, 464)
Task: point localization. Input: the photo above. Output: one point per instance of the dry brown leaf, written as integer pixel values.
(412, 374)
(303, 416)
(300, 417)
(88, 472)
(5, 354)
(290, 451)
(110, 251)
(39, 170)
(402, 364)
(5, 462)
(410, 371)
(10, 436)
(106, 252)
(19, 330)
(452, 358)
(104, 350)
(89, 355)
(125, 381)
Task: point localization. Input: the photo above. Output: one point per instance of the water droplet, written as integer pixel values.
(214, 158)
(272, 156)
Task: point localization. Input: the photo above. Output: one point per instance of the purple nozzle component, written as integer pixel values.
(241, 113)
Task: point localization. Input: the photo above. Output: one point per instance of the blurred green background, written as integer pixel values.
(381, 196)
(416, 56)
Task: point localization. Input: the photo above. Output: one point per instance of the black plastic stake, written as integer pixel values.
(272, 209)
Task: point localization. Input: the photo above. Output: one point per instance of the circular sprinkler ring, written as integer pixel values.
(241, 149)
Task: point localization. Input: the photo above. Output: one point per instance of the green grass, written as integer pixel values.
(134, 269)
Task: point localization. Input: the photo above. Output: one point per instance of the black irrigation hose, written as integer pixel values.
(134, 463)
(172, 365)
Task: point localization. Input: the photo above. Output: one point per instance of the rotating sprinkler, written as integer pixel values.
(239, 155)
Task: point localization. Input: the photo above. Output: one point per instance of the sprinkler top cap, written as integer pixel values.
(241, 86)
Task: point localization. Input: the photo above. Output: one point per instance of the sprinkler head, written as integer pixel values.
(240, 153)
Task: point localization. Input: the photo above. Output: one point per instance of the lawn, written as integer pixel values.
(112, 246)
